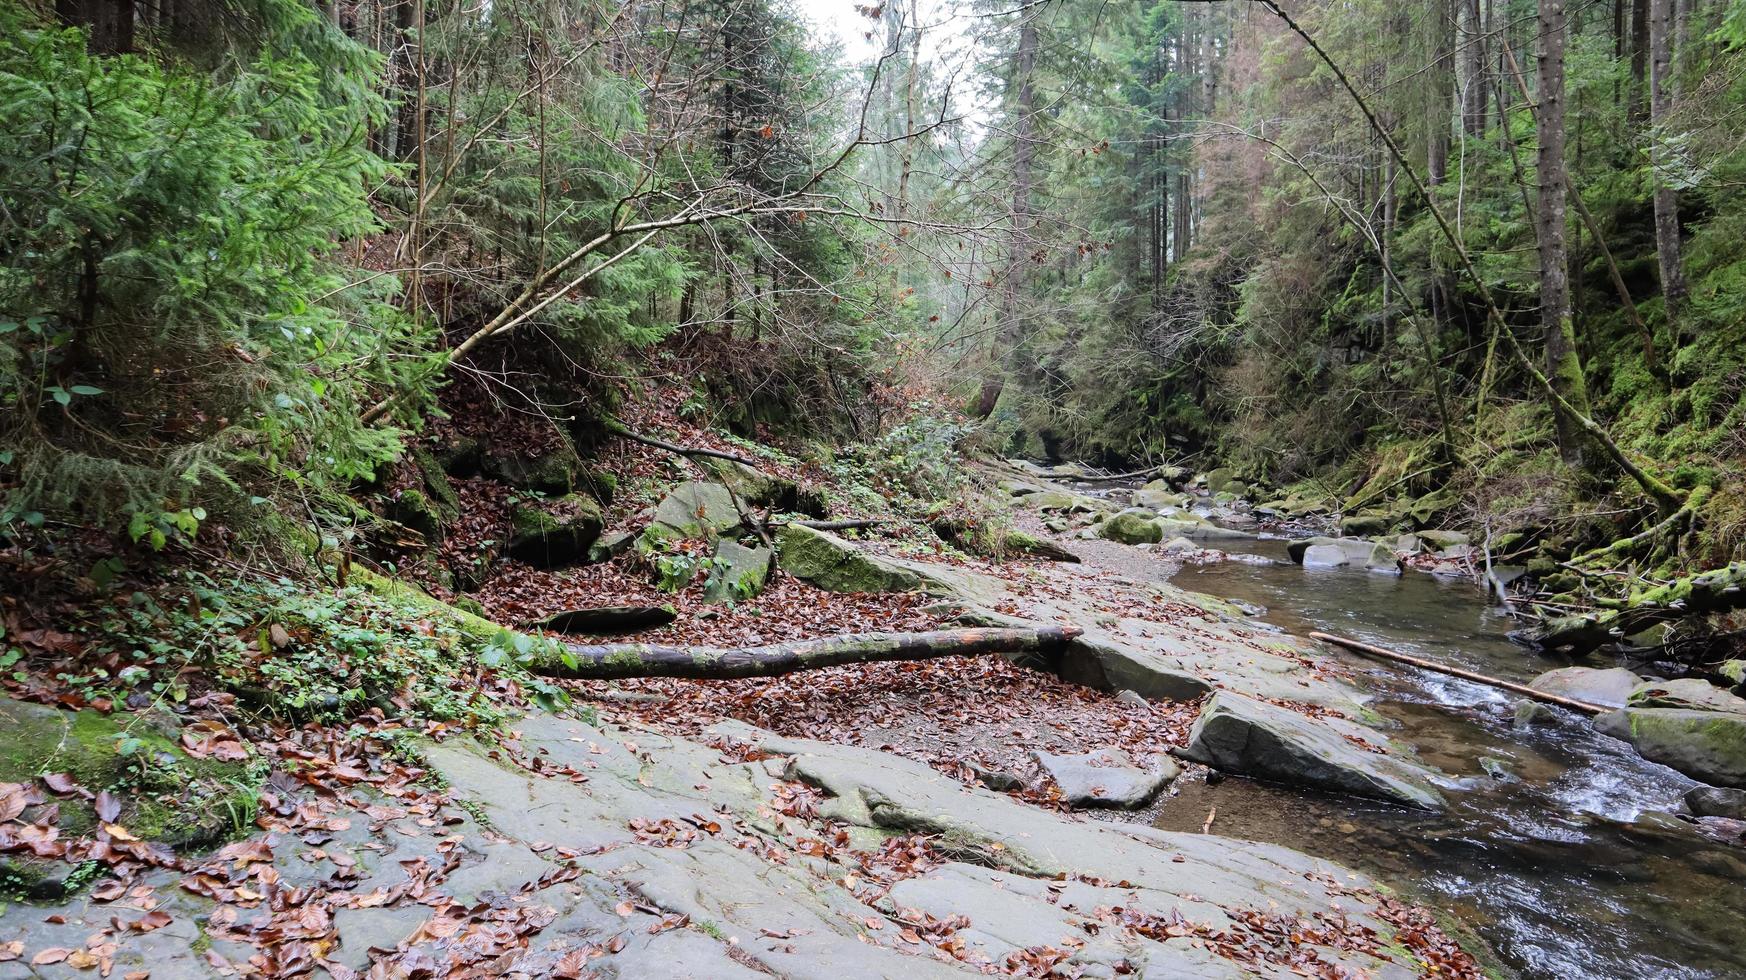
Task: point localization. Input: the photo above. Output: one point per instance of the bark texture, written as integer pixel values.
(1011, 333)
(1667, 247)
(1563, 366)
(621, 660)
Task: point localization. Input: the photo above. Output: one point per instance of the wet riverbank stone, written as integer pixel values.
(1257, 738)
(1105, 777)
(1705, 745)
(1687, 692)
(1713, 801)
(1608, 688)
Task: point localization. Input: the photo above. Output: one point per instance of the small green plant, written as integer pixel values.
(158, 527)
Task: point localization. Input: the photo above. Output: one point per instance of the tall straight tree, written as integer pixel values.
(1011, 320)
(1563, 366)
(1667, 251)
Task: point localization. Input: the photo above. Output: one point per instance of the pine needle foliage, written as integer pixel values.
(174, 323)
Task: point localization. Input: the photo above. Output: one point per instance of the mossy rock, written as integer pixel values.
(167, 795)
(556, 532)
(738, 572)
(415, 510)
(610, 546)
(1694, 693)
(696, 509)
(1030, 544)
(558, 471)
(1426, 508)
(429, 506)
(462, 458)
(830, 563)
(1367, 524)
(755, 486)
(600, 484)
(1131, 528)
(1220, 478)
(1705, 745)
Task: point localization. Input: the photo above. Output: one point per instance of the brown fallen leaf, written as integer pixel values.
(108, 890)
(155, 919)
(108, 807)
(12, 950)
(54, 954)
(60, 782)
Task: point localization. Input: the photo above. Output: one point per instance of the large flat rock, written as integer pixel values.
(1257, 738)
(1609, 687)
(1105, 777)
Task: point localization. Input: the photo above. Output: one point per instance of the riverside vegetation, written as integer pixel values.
(635, 489)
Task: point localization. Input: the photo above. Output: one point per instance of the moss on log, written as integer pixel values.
(622, 660)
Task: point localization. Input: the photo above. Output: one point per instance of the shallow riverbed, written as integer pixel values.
(1558, 846)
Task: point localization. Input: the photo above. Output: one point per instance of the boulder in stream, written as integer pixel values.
(1608, 688)
(1342, 552)
(1705, 745)
(1687, 692)
(1105, 777)
(1257, 738)
(1712, 801)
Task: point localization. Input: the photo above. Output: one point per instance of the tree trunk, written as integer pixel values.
(1563, 365)
(1667, 248)
(1639, 60)
(1473, 60)
(109, 22)
(1011, 332)
(620, 660)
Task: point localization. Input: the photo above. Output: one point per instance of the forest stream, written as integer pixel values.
(1559, 845)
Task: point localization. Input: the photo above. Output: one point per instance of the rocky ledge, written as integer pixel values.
(565, 849)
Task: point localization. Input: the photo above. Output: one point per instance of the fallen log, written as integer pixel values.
(846, 524)
(621, 660)
(1466, 675)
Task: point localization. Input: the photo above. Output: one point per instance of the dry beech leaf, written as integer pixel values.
(54, 954)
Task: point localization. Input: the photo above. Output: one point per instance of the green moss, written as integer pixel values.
(469, 624)
(835, 565)
(1131, 529)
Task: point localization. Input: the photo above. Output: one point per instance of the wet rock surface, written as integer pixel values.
(1608, 687)
(1105, 777)
(564, 847)
(1245, 735)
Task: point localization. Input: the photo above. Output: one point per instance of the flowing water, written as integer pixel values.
(1558, 846)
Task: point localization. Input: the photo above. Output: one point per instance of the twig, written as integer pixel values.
(1468, 675)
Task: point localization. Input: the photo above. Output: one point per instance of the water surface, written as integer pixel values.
(1558, 847)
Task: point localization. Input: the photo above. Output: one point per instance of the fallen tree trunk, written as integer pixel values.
(846, 524)
(1466, 675)
(611, 661)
